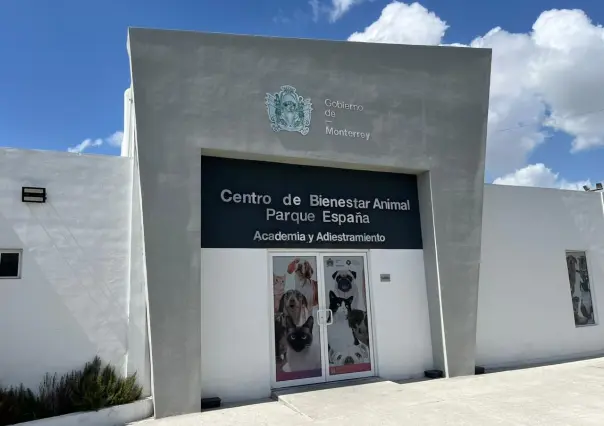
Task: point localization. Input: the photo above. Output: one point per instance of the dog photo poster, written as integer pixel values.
(296, 294)
(297, 334)
(348, 333)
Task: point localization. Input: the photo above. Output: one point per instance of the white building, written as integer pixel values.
(154, 262)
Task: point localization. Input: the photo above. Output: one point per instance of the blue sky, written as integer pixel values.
(65, 66)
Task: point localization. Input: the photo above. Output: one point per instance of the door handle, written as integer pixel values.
(324, 316)
(320, 317)
(330, 321)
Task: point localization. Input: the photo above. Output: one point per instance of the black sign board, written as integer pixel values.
(258, 204)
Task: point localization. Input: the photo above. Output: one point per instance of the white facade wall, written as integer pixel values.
(525, 312)
(400, 313)
(235, 319)
(82, 290)
(72, 301)
(237, 350)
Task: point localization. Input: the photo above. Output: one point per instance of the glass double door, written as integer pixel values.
(322, 323)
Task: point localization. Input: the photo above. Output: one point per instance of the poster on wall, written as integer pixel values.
(348, 330)
(260, 204)
(580, 289)
(296, 329)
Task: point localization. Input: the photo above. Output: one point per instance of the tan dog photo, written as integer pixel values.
(294, 304)
(303, 278)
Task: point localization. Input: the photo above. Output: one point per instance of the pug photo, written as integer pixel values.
(346, 284)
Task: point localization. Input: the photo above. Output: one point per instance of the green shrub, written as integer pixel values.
(17, 404)
(90, 389)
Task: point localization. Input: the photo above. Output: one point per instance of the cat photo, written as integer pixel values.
(292, 305)
(340, 334)
(358, 322)
(280, 343)
(302, 351)
(339, 306)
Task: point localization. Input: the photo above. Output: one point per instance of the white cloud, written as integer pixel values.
(554, 69)
(568, 74)
(316, 9)
(333, 9)
(545, 80)
(541, 176)
(516, 111)
(85, 144)
(340, 7)
(114, 140)
(401, 23)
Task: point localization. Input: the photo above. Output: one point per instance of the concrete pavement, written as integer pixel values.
(570, 394)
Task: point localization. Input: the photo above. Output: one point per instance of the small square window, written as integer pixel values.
(10, 264)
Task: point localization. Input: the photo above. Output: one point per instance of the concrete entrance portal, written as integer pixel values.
(565, 394)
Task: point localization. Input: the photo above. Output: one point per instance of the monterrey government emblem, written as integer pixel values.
(288, 111)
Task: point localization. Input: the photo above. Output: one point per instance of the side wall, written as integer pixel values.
(525, 311)
(72, 300)
(237, 352)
